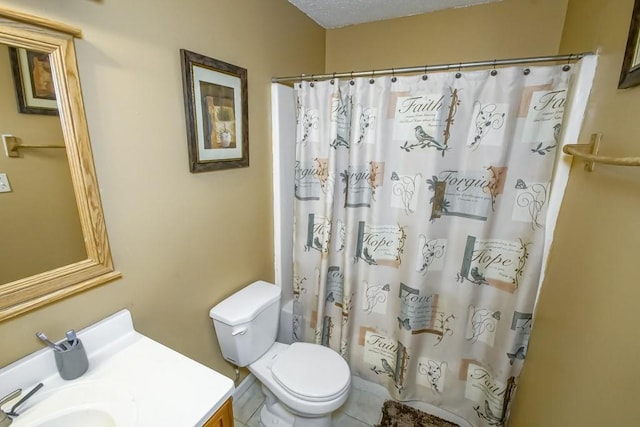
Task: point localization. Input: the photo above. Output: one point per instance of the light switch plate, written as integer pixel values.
(4, 183)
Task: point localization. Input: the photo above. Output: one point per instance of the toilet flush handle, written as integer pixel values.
(240, 331)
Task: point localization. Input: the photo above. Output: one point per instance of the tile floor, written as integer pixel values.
(362, 409)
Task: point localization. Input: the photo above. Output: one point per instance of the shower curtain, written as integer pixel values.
(420, 227)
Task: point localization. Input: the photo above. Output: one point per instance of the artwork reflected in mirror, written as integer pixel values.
(33, 82)
(40, 226)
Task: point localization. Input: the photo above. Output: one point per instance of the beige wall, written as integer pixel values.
(511, 28)
(182, 241)
(40, 213)
(582, 366)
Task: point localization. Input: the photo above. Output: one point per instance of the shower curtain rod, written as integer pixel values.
(427, 68)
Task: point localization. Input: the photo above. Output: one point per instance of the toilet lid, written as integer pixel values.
(311, 372)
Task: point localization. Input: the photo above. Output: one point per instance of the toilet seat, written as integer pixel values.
(311, 372)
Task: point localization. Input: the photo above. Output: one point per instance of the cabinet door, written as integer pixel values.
(223, 416)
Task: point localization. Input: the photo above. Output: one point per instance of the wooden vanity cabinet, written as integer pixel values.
(223, 416)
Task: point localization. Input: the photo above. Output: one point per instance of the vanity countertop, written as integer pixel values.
(159, 385)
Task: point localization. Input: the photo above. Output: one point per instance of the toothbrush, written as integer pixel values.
(56, 347)
(72, 339)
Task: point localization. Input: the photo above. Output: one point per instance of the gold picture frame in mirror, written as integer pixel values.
(25, 31)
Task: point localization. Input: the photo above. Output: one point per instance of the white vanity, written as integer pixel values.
(131, 381)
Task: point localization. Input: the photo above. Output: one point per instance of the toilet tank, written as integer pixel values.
(246, 322)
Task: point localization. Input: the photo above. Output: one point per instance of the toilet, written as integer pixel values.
(303, 383)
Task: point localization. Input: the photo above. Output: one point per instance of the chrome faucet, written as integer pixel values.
(5, 417)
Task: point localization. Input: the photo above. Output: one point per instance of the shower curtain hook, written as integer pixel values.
(301, 76)
(459, 74)
(424, 76)
(494, 71)
(311, 84)
(393, 75)
(352, 82)
(567, 67)
(371, 80)
(333, 77)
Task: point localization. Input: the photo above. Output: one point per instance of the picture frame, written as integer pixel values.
(216, 109)
(630, 74)
(33, 82)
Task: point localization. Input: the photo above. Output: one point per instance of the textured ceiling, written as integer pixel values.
(340, 13)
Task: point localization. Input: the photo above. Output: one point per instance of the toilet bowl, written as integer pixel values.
(303, 383)
(308, 380)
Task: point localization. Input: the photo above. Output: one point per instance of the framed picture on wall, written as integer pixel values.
(216, 108)
(33, 81)
(630, 75)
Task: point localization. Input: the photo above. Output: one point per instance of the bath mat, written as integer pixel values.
(396, 414)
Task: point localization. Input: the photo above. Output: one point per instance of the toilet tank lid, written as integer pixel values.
(246, 304)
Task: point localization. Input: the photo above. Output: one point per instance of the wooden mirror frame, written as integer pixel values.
(34, 33)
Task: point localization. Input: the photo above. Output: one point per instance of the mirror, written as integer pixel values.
(53, 237)
(39, 222)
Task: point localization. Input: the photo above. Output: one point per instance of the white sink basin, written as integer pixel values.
(81, 404)
(83, 417)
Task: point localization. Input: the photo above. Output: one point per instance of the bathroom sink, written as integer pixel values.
(82, 404)
(131, 381)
